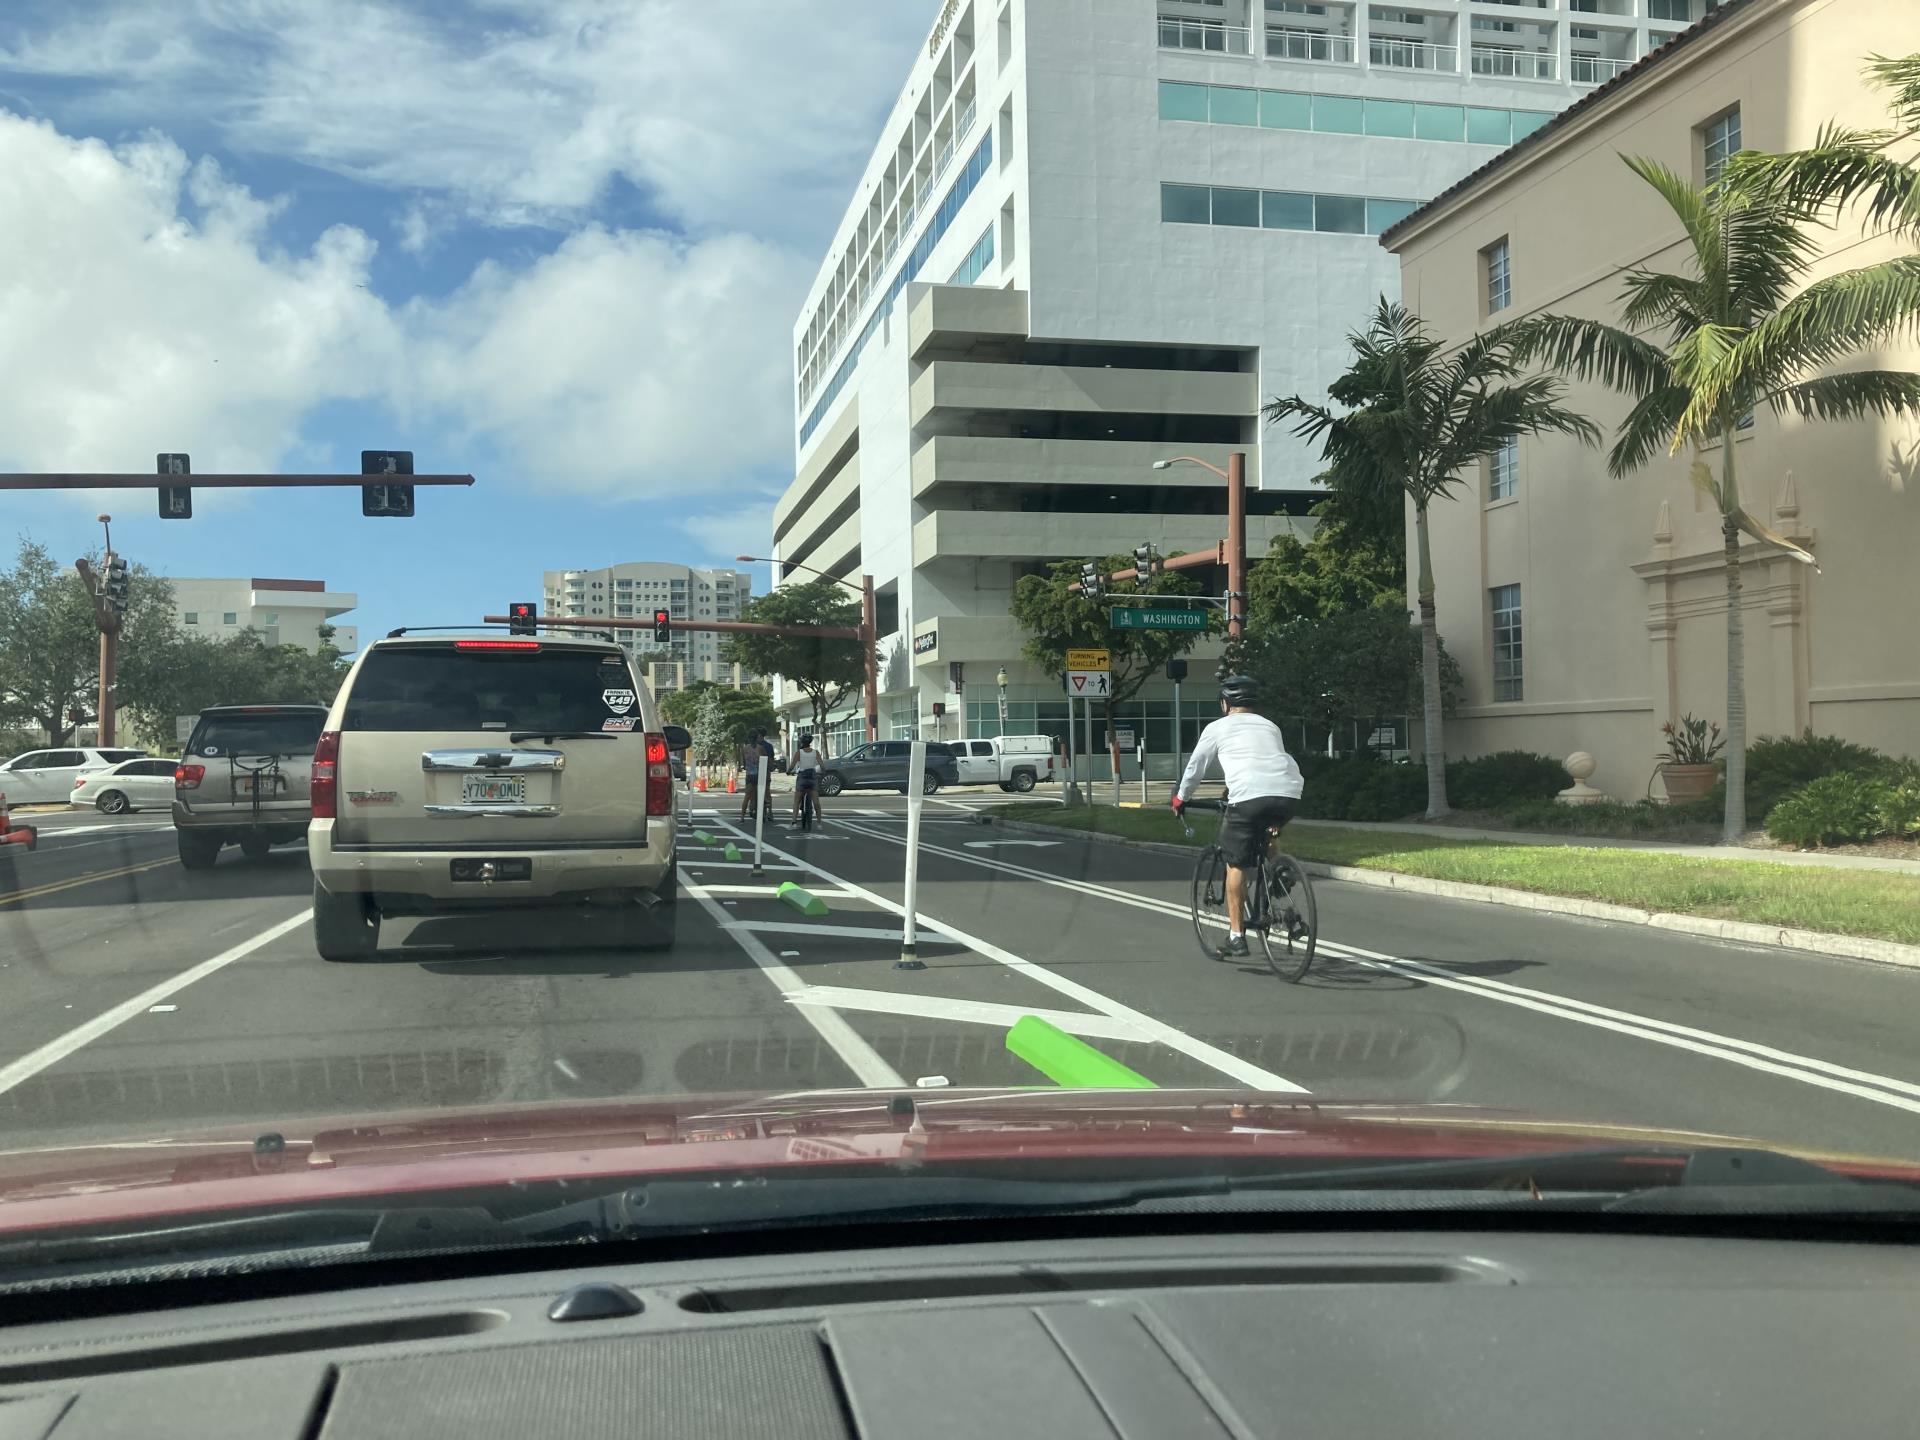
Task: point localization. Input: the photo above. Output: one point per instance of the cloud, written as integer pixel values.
(625, 363)
(751, 115)
(143, 308)
(139, 310)
(741, 529)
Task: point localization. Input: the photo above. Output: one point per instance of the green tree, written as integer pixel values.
(50, 640)
(1360, 665)
(1345, 567)
(1058, 618)
(171, 673)
(1739, 328)
(744, 710)
(826, 670)
(709, 729)
(1414, 416)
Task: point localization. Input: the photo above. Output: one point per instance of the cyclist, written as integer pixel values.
(805, 766)
(1263, 782)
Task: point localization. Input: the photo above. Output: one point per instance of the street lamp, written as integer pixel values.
(869, 630)
(1002, 678)
(1236, 477)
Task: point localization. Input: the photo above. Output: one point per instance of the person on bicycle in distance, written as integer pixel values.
(805, 766)
(1263, 782)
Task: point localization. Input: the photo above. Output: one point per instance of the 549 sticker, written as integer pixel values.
(618, 701)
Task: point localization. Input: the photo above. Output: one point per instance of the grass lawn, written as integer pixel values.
(1843, 902)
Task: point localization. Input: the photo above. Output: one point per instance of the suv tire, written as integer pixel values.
(255, 846)
(345, 927)
(929, 783)
(831, 784)
(1023, 781)
(197, 851)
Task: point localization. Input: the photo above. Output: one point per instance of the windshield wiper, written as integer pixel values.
(519, 735)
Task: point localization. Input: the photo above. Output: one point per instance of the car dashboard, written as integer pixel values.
(1439, 1332)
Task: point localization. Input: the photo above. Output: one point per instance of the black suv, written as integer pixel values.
(882, 765)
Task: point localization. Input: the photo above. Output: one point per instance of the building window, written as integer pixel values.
(1719, 141)
(273, 617)
(1279, 209)
(1505, 600)
(192, 617)
(1184, 205)
(230, 618)
(1670, 9)
(1498, 265)
(1503, 471)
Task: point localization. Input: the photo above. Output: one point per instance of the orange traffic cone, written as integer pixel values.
(732, 783)
(12, 834)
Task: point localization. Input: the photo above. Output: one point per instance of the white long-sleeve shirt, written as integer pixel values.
(1251, 754)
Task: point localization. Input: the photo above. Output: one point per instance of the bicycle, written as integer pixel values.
(1280, 904)
(806, 807)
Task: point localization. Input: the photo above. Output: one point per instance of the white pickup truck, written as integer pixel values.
(1013, 762)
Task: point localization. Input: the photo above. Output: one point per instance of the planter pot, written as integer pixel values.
(1689, 782)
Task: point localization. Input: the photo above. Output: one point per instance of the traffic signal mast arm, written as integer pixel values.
(724, 627)
(213, 482)
(1192, 560)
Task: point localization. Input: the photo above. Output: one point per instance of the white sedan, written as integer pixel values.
(144, 784)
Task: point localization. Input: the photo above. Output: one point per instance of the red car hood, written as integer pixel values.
(438, 1154)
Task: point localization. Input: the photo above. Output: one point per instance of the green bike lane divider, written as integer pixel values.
(1068, 1060)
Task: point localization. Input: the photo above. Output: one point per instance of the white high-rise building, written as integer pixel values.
(285, 612)
(633, 591)
(1099, 233)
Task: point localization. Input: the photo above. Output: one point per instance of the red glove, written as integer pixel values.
(1179, 805)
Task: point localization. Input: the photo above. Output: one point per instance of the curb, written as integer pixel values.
(1817, 942)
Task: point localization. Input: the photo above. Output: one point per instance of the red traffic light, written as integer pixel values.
(520, 617)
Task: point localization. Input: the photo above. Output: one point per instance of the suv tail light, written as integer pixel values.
(324, 786)
(659, 777)
(188, 777)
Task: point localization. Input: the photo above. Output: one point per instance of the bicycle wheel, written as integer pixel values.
(1286, 895)
(1209, 905)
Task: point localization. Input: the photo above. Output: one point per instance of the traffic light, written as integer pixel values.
(662, 628)
(1143, 564)
(115, 585)
(1092, 582)
(520, 617)
(386, 499)
(176, 501)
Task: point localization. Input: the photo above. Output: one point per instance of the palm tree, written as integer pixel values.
(1414, 419)
(1846, 166)
(1740, 331)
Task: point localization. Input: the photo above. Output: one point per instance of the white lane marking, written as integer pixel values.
(161, 1009)
(567, 1070)
(1751, 1054)
(1150, 1029)
(861, 1058)
(54, 1051)
(771, 892)
(970, 1012)
(782, 927)
(698, 865)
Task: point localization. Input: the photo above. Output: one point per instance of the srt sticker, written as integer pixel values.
(619, 722)
(618, 701)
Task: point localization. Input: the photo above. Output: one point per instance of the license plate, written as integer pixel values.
(270, 783)
(493, 790)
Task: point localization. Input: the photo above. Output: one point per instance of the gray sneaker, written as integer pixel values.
(1230, 949)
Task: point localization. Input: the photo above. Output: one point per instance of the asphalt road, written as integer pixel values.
(140, 1000)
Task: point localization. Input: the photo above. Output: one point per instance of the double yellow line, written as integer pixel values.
(14, 896)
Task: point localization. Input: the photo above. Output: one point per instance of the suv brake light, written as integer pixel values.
(496, 644)
(659, 777)
(188, 777)
(324, 784)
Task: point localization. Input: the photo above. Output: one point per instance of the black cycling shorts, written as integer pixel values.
(1244, 835)
(804, 779)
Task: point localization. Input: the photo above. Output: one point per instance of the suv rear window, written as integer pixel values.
(424, 688)
(292, 732)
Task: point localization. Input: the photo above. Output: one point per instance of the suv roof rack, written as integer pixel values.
(399, 631)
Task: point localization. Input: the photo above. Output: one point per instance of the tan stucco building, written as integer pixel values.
(1585, 610)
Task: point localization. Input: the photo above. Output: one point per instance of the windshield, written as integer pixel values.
(1347, 569)
(445, 689)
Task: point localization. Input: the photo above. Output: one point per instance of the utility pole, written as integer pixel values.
(110, 591)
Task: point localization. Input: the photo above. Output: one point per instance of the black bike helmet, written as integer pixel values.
(1239, 690)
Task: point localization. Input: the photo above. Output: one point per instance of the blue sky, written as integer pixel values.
(559, 245)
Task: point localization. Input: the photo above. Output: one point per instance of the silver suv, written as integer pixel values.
(242, 780)
(466, 774)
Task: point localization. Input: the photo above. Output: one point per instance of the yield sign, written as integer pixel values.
(1090, 683)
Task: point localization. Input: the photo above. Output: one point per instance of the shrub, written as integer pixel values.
(1900, 811)
(1504, 778)
(1389, 792)
(1834, 809)
(1777, 765)
(1645, 817)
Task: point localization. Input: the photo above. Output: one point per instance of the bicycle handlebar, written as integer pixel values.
(1199, 804)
